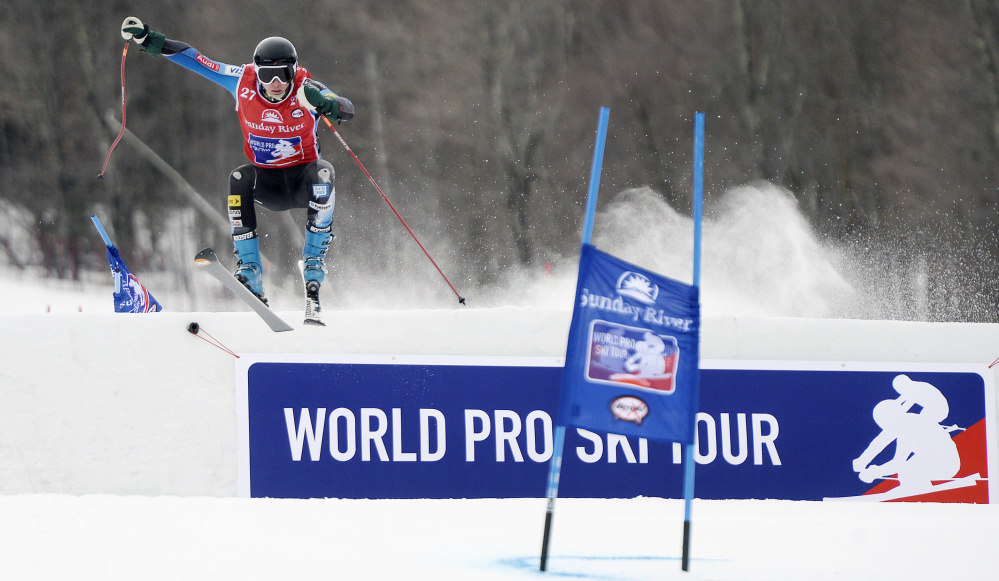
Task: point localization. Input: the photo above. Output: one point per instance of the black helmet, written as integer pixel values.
(275, 51)
(275, 57)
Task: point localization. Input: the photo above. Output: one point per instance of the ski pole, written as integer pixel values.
(124, 53)
(461, 299)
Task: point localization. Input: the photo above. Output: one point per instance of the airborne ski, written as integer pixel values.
(207, 260)
(313, 312)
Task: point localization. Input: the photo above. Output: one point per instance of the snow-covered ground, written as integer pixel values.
(103, 538)
(99, 536)
(48, 536)
(27, 294)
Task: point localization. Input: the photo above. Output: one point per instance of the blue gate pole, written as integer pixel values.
(598, 160)
(689, 462)
(107, 242)
(555, 468)
(101, 230)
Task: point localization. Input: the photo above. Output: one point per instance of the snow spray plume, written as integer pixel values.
(124, 53)
(762, 258)
(937, 273)
(461, 300)
(760, 255)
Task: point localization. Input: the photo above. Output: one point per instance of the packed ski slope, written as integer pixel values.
(105, 538)
(88, 536)
(207, 535)
(85, 536)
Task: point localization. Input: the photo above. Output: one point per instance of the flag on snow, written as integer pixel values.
(632, 360)
(129, 294)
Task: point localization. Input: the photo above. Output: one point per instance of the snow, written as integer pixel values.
(88, 493)
(173, 515)
(131, 537)
(24, 293)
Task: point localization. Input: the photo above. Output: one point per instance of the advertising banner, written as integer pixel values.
(314, 426)
(632, 356)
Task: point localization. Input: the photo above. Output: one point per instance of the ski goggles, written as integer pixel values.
(283, 73)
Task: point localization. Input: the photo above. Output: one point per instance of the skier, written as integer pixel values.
(278, 104)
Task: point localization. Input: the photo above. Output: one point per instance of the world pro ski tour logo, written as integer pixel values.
(929, 457)
(276, 151)
(632, 357)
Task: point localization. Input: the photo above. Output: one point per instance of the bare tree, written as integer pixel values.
(526, 55)
(477, 118)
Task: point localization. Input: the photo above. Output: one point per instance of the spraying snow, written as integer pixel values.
(760, 255)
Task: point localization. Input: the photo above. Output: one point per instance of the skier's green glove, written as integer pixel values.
(133, 29)
(313, 98)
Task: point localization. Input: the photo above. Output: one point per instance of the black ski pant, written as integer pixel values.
(308, 185)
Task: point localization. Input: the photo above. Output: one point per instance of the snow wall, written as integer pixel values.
(136, 404)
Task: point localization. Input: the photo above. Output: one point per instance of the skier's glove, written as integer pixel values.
(346, 109)
(133, 29)
(311, 96)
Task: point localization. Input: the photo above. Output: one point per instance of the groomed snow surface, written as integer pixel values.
(106, 537)
(151, 538)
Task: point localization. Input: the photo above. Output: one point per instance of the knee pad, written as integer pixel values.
(325, 172)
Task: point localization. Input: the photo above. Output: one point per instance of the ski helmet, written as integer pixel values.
(275, 57)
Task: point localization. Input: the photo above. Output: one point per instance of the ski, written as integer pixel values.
(313, 312)
(207, 260)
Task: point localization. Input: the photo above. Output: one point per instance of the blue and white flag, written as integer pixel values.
(632, 360)
(129, 294)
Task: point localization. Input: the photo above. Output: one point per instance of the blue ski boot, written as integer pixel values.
(249, 271)
(314, 273)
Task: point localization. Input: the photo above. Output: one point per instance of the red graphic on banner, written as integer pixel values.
(969, 485)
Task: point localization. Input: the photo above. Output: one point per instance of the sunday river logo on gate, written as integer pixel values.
(632, 355)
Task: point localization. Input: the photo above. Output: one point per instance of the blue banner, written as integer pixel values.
(632, 357)
(129, 294)
(388, 431)
(434, 427)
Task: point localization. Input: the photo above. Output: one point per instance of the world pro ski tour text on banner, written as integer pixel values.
(481, 427)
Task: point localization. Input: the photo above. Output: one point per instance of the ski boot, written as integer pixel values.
(249, 271)
(314, 273)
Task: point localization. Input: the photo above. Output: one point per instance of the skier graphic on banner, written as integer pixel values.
(925, 457)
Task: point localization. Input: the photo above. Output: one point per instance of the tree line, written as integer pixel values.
(477, 119)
